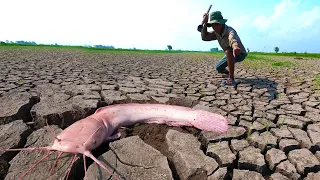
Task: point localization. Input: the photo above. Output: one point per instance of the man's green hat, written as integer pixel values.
(216, 17)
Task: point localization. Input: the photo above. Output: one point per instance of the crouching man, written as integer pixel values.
(229, 41)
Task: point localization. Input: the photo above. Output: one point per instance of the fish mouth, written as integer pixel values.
(69, 147)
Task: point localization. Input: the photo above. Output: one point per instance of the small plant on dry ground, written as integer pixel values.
(316, 84)
(202, 90)
(249, 133)
(282, 123)
(266, 126)
(281, 95)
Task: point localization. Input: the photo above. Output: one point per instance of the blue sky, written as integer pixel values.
(292, 25)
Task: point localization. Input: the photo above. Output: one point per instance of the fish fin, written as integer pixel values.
(114, 136)
(168, 122)
(99, 109)
(210, 122)
(89, 154)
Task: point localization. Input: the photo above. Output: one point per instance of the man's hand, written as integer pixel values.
(205, 19)
(236, 51)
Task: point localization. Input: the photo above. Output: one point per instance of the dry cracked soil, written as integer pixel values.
(274, 116)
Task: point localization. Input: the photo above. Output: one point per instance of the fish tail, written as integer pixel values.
(207, 121)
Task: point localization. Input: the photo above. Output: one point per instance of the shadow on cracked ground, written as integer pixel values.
(260, 83)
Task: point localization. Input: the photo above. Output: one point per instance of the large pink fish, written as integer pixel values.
(89, 133)
(121, 115)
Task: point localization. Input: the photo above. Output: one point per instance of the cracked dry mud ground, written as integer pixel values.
(274, 116)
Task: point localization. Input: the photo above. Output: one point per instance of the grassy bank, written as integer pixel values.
(251, 56)
(255, 60)
(84, 48)
(290, 54)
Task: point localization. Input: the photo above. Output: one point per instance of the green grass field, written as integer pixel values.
(254, 60)
(251, 56)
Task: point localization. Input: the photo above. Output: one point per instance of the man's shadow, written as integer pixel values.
(261, 83)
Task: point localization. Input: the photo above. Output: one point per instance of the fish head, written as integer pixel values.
(84, 135)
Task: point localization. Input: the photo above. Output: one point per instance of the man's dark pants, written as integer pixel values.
(223, 63)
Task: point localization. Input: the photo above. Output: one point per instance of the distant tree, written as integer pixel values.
(248, 49)
(276, 49)
(169, 47)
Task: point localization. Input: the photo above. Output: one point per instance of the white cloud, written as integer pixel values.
(309, 17)
(122, 23)
(284, 9)
(289, 23)
(303, 26)
(281, 11)
(240, 22)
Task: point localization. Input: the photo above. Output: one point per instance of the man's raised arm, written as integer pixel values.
(205, 35)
